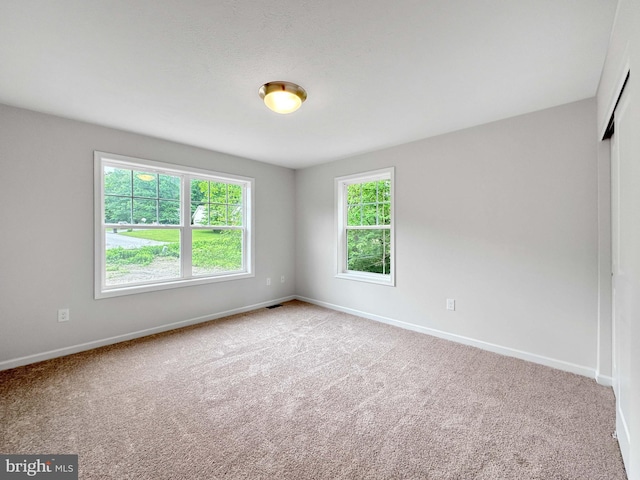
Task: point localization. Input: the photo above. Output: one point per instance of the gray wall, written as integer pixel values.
(502, 217)
(46, 244)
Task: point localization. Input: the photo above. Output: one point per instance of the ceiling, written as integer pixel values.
(378, 73)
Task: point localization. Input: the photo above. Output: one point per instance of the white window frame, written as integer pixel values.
(186, 278)
(341, 184)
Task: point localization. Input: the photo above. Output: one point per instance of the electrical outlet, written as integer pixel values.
(451, 304)
(282, 279)
(268, 281)
(63, 315)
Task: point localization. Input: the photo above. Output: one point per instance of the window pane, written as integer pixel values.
(369, 214)
(354, 193)
(169, 187)
(117, 209)
(216, 251)
(368, 251)
(169, 212)
(368, 203)
(139, 256)
(386, 235)
(369, 192)
(384, 190)
(117, 181)
(384, 210)
(218, 192)
(235, 215)
(199, 214)
(354, 215)
(217, 214)
(150, 208)
(220, 202)
(145, 211)
(235, 194)
(145, 184)
(199, 191)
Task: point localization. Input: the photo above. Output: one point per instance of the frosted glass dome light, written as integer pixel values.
(282, 97)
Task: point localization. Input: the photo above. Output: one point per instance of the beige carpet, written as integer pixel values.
(301, 392)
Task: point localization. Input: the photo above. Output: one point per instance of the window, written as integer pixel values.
(163, 226)
(365, 226)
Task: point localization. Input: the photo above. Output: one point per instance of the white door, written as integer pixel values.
(625, 225)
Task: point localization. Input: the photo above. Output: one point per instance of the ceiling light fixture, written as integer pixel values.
(282, 97)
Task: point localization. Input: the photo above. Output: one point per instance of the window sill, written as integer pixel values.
(170, 284)
(387, 280)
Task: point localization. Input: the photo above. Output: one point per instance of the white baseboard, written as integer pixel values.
(622, 433)
(511, 352)
(605, 380)
(61, 352)
(550, 362)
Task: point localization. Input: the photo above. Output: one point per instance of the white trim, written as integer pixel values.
(187, 278)
(604, 380)
(61, 352)
(626, 69)
(539, 359)
(166, 285)
(491, 347)
(365, 176)
(624, 441)
(604, 325)
(615, 95)
(340, 184)
(378, 278)
(163, 167)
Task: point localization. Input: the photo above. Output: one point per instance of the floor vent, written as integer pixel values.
(274, 306)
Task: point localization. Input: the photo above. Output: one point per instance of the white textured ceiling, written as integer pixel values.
(378, 72)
